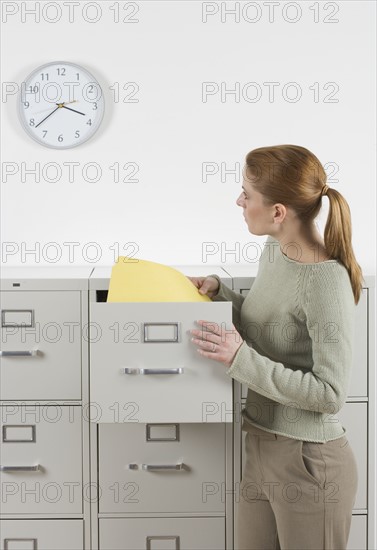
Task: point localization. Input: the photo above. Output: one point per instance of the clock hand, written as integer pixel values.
(59, 106)
(47, 117)
(74, 110)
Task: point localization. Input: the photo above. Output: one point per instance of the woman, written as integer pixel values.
(291, 344)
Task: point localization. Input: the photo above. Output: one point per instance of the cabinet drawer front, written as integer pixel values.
(40, 345)
(182, 475)
(354, 418)
(144, 367)
(358, 533)
(358, 386)
(162, 534)
(41, 460)
(37, 534)
(359, 375)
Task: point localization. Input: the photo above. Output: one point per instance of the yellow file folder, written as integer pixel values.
(134, 280)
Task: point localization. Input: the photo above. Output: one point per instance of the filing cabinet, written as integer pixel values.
(44, 428)
(357, 415)
(162, 427)
(115, 433)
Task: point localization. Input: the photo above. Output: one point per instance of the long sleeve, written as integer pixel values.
(225, 294)
(328, 314)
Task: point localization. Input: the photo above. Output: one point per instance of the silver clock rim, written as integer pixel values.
(20, 110)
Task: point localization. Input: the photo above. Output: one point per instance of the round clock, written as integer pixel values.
(60, 105)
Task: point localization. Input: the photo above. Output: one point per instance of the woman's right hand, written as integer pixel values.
(206, 285)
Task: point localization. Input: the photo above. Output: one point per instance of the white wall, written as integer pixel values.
(171, 131)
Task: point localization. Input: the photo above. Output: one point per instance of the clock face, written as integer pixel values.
(60, 105)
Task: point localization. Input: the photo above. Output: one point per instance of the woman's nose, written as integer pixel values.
(239, 201)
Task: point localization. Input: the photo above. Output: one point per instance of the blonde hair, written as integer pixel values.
(292, 175)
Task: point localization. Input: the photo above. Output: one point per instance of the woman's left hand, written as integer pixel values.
(215, 342)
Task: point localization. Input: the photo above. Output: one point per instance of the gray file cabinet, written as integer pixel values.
(44, 446)
(161, 427)
(98, 451)
(357, 416)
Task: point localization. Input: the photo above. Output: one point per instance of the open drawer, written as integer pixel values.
(144, 367)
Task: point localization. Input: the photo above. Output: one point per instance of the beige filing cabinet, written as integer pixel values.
(99, 457)
(357, 416)
(161, 424)
(44, 453)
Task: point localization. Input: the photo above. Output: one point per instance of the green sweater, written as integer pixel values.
(297, 323)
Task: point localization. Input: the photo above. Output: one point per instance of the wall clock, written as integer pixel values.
(60, 105)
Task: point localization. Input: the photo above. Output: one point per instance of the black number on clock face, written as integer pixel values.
(77, 134)
(61, 72)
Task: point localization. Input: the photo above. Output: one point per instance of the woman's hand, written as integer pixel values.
(206, 285)
(215, 342)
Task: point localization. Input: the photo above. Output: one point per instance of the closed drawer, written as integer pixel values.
(41, 460)
(358, 386)
(357, 539)
(41, 534)
(144, 368)
(162, 468)
(354, 418)
(162, 534)
(359, 375)
(47, 325)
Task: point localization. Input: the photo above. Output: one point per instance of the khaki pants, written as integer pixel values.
(295, 495)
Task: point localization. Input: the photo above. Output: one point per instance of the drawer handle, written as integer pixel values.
(151, 467)
(18, 353)
(129, 370)
(20, 468)
(156, 467)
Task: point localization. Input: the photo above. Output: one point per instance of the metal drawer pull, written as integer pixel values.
(20, 468)
(151, 467)
(18, 353)
(129, 370)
